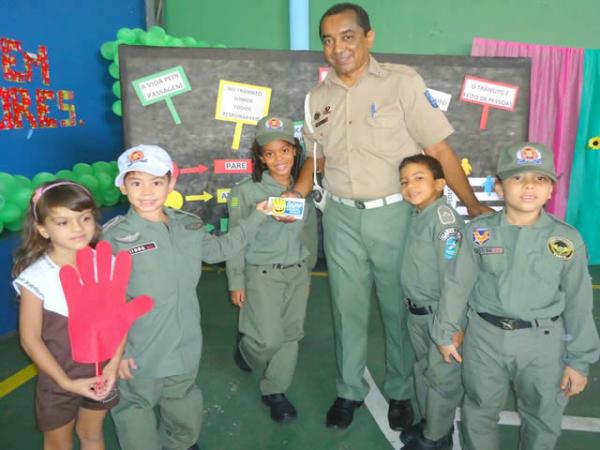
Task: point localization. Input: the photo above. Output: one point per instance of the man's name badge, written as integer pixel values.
(287, 207)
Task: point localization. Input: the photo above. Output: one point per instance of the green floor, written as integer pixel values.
(234, 416)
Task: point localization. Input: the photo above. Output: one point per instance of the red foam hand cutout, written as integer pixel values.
(99, 314)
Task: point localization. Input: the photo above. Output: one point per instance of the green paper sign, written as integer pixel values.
(161, 86)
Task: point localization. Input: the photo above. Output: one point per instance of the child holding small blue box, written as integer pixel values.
(270, 280)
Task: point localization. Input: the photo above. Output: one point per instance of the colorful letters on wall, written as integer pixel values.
(27, 106)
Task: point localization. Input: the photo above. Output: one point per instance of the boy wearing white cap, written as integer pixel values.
(163, 350)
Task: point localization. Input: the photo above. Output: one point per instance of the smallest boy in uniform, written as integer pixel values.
(435, 235)
(162, 355)
(525, 277)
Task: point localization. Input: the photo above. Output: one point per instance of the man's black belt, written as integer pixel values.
(418, 310)
(512, 324)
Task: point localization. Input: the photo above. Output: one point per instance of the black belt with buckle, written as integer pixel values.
(286, 266)
(510, 324)
(418, 310)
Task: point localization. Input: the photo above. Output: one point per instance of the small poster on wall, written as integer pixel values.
(161, 86)
(243, 104)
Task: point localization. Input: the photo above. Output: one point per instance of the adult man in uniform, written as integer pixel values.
(365, 118)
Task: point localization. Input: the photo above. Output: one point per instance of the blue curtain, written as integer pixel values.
(583, 207)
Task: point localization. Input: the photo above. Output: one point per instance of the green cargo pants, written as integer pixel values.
(438, 385)
(531, 359)
(180, 405)
(272, 322)
(362, 247)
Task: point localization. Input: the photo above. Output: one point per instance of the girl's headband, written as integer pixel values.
(37, 194)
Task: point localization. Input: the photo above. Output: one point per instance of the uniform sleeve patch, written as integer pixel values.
(446, 215)
(431, 99)
(452, 246)
(450, 232)
(561, 247)
(234, 202)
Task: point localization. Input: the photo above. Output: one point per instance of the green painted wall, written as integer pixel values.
(443, 27)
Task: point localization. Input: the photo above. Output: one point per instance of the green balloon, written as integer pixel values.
(111, 196)
(117, 108)
(175, 42)
(108, 49)
(102, 167)
(113, 70)
(126, 36)
(2, 201)
(104, 180)
(17, 225)
(7, 184)
(138, 32)
(116, 88)
(23, 181)
(22, 196)
(189, 41)
(82, 169)
(220, 46)
(1, 226)
(115, 167)
(157, 31)
(10, 213)
(89, 181)
(98, 199)
(41, 178)
(65, 174)
(202, 44)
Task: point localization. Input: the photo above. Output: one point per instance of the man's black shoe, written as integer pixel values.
(422, 443)
(412, 432)
(400, 414)
(238, 358)
(282, 410)
(341, 412)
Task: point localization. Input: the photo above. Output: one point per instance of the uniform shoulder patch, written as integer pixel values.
(446, 215)
(450, 232)
(112, 222)
(561, 247)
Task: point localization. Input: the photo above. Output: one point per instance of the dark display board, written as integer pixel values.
(200, 139)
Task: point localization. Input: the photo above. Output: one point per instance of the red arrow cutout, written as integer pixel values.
(197, 169)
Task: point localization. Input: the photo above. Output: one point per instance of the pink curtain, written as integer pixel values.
(556, 78)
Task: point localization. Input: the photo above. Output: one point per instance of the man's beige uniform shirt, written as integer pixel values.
(365, 131)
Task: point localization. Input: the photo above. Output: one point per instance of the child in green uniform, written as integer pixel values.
(524, 276)
(163, 348)
(270, 280)
(435, 235)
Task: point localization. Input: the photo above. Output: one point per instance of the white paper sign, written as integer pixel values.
(487, 92)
